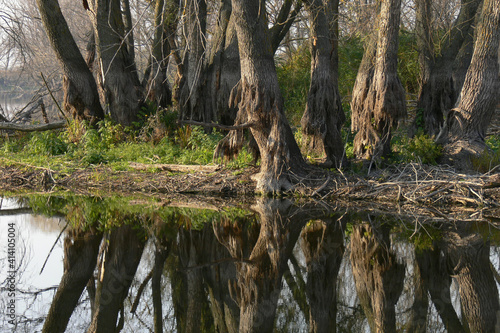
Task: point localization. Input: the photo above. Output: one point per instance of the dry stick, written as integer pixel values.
(52, 248)
(53, 98)
(222, 127)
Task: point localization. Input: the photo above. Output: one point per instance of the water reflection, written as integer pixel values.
(267, 266)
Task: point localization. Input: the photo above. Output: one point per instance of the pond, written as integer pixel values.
(99, 264)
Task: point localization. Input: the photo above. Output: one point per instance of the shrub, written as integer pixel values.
(420, 148)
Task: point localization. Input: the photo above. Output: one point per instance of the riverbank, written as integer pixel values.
(437, 189)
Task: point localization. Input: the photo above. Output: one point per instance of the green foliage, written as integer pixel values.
(420, 148)
(408, 66)
(294, 76)
(47, 143)
(350, 55)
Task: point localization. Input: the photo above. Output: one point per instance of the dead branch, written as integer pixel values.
(32, 128)
(175, 167)
(219, 126)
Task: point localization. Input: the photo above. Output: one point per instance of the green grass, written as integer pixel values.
(109, 144)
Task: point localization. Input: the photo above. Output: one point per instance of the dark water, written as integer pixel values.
(184, 265)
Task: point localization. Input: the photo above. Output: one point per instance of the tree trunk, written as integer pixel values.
(223, 67)
(81, 98)
(261, 103)
(323, 117)
(377, 275)
(323, 247)
(469, 260)
(385, 102)
(439, 88)
(80, 257)
(116, 272)
(466, 124)
(157, 86)
(190, 84)
(122, 89)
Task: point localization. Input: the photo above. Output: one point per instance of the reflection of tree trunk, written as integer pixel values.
(190, 301)
(418, 314)
(432, 267)
(378, 277)
(217, 275)
(161, 253)
(259, 277)
(323, 246)
(470, 264)
(80, 257)
(116, 273)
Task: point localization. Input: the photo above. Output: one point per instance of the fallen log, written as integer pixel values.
(32, 128)
(175, 167)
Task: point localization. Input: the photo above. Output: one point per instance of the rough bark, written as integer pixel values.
(466, 124)
(157, 87)
(377, 275)
(323, 247)
(223, 67)
(80, 257)
(468, 257)
(122, 90)
(441, 75)
(385, 101)
(81, 98)
(116, 272)
(190, 97)
(261, 103)
(323, 117)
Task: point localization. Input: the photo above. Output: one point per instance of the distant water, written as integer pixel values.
(12, 103)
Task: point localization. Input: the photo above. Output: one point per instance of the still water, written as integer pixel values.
(89, 264)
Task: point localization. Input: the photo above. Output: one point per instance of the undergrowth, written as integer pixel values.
(78, 146)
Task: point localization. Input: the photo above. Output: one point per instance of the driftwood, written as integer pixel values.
(175, 167)
(32, 128)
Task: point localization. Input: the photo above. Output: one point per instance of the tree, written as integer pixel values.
(261, 103)
(323, 117)
(379, 101)
(80, 90)
(156, 73)
(123, 91)
(439, 87)
(465, 130)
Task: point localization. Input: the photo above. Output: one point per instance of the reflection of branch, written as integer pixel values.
(495, 273)
(15, 211)
(52, 248)
(140, 291)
